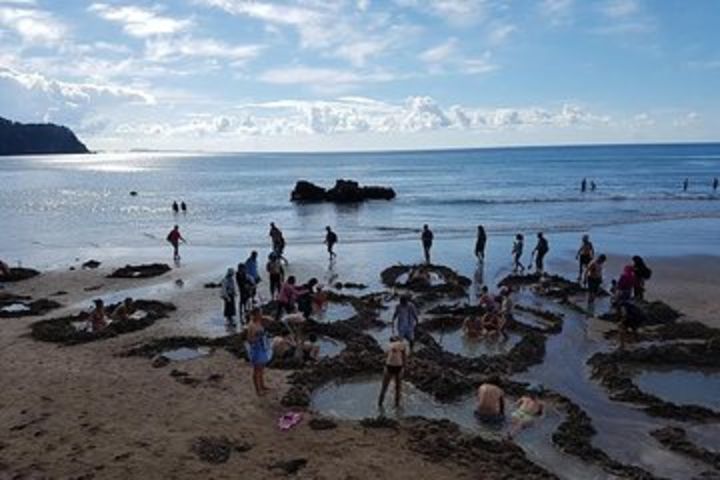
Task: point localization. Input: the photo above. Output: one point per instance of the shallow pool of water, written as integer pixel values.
(185, 353)
(455, 341)
(335, 312)
(684, 387)
(330, 347)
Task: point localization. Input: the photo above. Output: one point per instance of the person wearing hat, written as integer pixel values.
(530, 408)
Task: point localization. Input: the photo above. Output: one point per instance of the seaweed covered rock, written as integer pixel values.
(14, 306)
(18, 274)
(344, 191)
(71, 330)
(431, 281)
(141, 271)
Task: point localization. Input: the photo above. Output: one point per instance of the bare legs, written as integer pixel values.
(397, 377)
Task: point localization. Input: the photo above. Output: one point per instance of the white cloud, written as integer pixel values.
(456, 12)
(440, 53)
(445, 58)
(500, 32)
(323, 79)
(557, 11)
(620, 8)
(140, 22)
(32, 25)
(169, 49)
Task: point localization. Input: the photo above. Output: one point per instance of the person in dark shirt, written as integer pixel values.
(427, 241)
(331, 239)
(480, 243)
(541, 249)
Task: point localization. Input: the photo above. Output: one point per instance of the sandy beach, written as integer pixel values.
(85, 412)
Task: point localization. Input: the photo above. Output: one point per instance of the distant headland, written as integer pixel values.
(37, 139)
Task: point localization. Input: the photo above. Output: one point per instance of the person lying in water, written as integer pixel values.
(490, 402)
(123, 311)
(529, 409)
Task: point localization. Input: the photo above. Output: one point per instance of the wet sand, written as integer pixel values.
(83, 412)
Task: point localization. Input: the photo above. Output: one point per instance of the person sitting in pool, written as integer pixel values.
(394, 366)
(319, 300)
(98, 320)
(491, 402)
(123, 311)
(283, 347)
(473, 326)
(493, 324)
(530, 408)
(310, 348)
(487, 301)
(419, 277)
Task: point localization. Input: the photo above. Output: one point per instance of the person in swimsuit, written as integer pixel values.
(529, 409)
(276, 273)
(174, 237)
(480, 243)
(594, 276)
(98, 320)
(123, 311)
(427, 240)
(584, 256)
(405, 319)
(490, 402)
(259, 351)
(331, 239)
(394, 365)
(289, 293)
(517, 251)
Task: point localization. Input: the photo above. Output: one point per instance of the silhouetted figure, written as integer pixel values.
(593, 186)
(541, 249)
(686, 184)
(583, 185)
(480, 243)
(427, 241)
(183, 207)
(517, 251)
(715, 184)
(175, 238)
(278, 241)
(331, 239)
(175, 207)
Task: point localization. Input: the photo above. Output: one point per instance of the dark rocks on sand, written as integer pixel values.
(290, 467)
(91, 264)
(322, 424)
(344, 191)
(19, 273)
(141, 271)
(26, 306)
(452, 284)
(217, 450)
(350, 285)
(675, 439)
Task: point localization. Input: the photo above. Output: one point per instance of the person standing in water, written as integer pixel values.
(394, 366)
(584, 255)
(251, 267)
(278, 241)
(331, 239)
(540, 250)
(480, 243)
(593, 187)
(174, 237)
(715, 184)
(517, 251)
(686, 184)
(583, 185)
(183, 206)
(594, 277)
(405, 319)
(276, 273)
(427, 241)
(175, 207)
(228, 292)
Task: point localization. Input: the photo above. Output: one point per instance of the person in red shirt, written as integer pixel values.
(175, 238)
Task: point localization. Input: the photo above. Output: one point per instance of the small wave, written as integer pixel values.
(572, 199)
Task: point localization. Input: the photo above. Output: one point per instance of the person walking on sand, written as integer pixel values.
(228, 292)
(517, 251)
(259, 351)
(174, 237)
(539, 252)
(427, 241)
(584, 256)
(394, 365)
(583, 185)
(175, 207)
(490, 402)
(529, 409)
(405, 319)
(276, 273)
(594, 277)
(480, 243)
(331, 239)
(686, 184)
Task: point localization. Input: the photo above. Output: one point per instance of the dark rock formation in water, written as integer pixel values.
(344, 191)
(33, 139)
(141, 271)
(18, 274)
(27, 307)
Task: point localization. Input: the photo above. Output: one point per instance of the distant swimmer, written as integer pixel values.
(517, 251)
(583, 185)
(183, 207)
(480, 243)
(331, 239)
(593, 186)
(540, 250)
(686, 184)
(174, 237)
(175, 207)
(715, 184)
(427, 241)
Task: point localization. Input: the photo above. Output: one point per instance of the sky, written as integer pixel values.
(317, 75)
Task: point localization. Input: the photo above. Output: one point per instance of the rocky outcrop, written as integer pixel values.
(19, 274)
(344, 191)
(34, 139)
(140, 271)
(14, 306)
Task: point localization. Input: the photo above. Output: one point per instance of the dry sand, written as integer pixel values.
(82, 412)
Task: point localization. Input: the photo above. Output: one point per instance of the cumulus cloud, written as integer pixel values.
(31, 24)
(140, 22)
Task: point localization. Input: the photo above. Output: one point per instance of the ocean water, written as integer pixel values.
(54, 207)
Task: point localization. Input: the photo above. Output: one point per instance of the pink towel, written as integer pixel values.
(289, 420)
